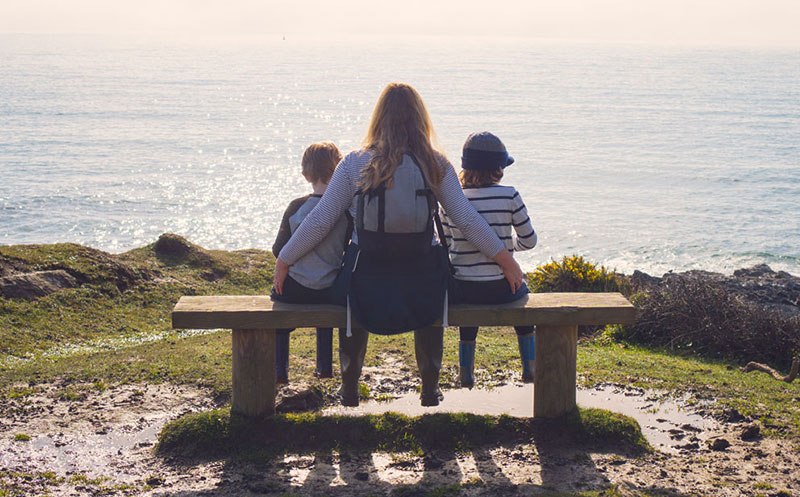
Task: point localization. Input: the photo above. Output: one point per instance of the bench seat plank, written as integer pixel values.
(253, 312)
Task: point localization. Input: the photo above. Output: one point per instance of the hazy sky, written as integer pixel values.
(740, 22)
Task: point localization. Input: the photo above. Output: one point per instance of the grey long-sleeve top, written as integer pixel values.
(340, 196)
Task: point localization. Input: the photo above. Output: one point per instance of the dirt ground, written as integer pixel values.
(100, 441)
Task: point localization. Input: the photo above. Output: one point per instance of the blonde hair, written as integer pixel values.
(400, 124)
(475, 178)
(319, 161)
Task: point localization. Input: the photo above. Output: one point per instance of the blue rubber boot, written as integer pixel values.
(282, 357)
(527, 352)
(466, 363)
(324, 353)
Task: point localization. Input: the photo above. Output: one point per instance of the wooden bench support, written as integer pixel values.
(556, 355)
(253, 357)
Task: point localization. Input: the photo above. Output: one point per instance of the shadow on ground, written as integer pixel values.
(393, 455)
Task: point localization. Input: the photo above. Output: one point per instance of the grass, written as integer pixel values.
(756, 395)
(151, 284)
(116, 329)
(24, 484)
(216, 432)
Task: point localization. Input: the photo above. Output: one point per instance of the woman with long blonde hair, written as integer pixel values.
(392, 289)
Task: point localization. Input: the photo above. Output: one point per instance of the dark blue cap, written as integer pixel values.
(484, 151)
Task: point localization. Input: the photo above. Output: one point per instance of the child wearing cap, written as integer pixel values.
(479, 280)
(312, 275)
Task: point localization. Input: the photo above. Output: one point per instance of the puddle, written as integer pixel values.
(114, 432)
(667, 423)
(98, 453)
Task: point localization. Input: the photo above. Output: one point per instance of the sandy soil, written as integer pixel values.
(102, 444)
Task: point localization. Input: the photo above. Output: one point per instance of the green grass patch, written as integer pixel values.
(120, 296)
(606, 427)
(22, 437)
(19, 392)
(24, 484)
(753, 394)
(215, 433)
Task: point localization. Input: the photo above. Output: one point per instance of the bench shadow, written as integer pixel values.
(545, 458)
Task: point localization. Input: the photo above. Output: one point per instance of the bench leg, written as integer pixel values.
(253, 388)
(556, 354)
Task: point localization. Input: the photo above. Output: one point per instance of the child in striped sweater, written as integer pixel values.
(479, 280)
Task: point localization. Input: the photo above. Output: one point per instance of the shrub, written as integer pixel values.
(698, 317)
(574, 274)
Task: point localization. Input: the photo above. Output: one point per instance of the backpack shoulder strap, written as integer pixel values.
(427, 191)
(440, 230)
(359, 221)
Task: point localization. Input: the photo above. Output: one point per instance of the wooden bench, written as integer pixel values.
(254, 319)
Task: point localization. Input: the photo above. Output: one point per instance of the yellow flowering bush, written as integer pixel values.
(574, 274)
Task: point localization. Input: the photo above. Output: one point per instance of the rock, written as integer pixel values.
(732, 416)
(9, 266)
(362, 476)
(757, 271)
(298, 398)
(643, 281)
(172, 248)
(155, 481)
(718, 444)
(750, 433)
(760, 285)
(37, 284)
(676, 434)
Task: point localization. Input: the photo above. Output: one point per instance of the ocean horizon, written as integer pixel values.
(635, 156)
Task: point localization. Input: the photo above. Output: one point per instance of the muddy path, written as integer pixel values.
(76, 440)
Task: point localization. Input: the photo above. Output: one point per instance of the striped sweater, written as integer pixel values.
(503, 209)
(340, 196)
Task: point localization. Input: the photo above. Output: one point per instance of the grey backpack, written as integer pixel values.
(397, 222)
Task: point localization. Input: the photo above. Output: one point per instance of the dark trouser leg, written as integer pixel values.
(428, 344)
(468, 333)
(282, 356)
(351, 359)
(527, 351)
(324, 353)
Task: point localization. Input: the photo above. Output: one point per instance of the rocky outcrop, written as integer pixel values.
(751, 316)
(299, 398)
(33, 271)
(36, 284)
(760, 285)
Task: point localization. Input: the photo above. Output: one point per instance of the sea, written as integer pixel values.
(651, 157)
